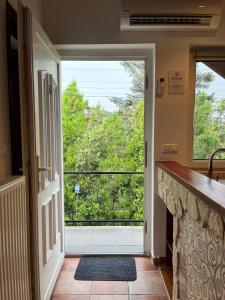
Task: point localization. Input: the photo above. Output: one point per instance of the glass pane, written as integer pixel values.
(209, 115)
(103, 131)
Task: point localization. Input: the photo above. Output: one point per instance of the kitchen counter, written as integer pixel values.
(197, 204)
(207, 189)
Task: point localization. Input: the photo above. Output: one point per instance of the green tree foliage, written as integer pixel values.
(209, 119)
(96, 140)
(206, 138)
(203, 80)
(136, 71)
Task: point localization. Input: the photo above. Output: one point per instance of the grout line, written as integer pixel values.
(91, 289)
(152, 296)
(128, 290)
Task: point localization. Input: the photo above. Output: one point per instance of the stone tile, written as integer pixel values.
(109, 297)
(109, 288)
(66, 284)
(148, 297)
(145, 264)
(147, 283)
(70, 264)
(70, 297)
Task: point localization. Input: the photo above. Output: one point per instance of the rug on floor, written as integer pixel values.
(106, 268)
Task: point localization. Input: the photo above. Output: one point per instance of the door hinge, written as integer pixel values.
(146, 227)
(146, 82)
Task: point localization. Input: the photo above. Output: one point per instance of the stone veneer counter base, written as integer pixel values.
(197, 204)
(210, 190)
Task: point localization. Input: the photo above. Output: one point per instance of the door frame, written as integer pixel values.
(144, 52)
(30, 161)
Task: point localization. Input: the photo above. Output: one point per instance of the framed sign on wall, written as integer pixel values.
(176, 83)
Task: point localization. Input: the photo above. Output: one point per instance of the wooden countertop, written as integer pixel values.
(203, 187)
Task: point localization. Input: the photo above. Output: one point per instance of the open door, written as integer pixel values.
(39, 69)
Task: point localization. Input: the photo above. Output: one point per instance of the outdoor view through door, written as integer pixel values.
(103, 140)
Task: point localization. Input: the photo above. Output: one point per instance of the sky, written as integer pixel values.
(100, 80)
(217, 86)
(97, 80)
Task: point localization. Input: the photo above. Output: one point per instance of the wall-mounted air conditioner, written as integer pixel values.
(170, 15)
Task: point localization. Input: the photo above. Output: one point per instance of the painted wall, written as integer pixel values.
(35, 6)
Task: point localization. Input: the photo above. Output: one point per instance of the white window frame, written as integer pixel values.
(200, 54)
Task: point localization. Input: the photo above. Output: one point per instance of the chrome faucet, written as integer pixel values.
(211, 157)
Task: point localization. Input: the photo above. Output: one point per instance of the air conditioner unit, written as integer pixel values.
(170, 15)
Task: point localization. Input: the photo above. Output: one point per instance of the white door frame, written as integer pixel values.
(26, 28)
(144, 52)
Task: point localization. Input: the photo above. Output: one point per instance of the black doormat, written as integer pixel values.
(106, 268)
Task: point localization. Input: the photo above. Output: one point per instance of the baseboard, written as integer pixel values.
(158, 261)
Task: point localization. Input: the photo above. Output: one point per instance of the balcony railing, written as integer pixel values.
(103, 198)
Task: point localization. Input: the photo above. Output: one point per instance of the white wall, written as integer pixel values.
(35, 6)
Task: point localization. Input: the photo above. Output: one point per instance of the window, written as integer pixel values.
(209, 111)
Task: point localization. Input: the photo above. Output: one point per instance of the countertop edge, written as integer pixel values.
(212, 192)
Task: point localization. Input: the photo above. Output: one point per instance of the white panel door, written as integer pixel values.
(42, 126)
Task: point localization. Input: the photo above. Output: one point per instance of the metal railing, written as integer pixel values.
(103, 197)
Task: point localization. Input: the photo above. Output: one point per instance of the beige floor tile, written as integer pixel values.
(70, 264)
(66, 284)
(147, 283)
(145, 264)
(148, 297)
(109, 288)
(70, 297)
(109, 297)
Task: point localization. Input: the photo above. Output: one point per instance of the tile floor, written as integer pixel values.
(148, 286)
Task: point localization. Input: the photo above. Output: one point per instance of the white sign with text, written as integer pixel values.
(176, 82)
